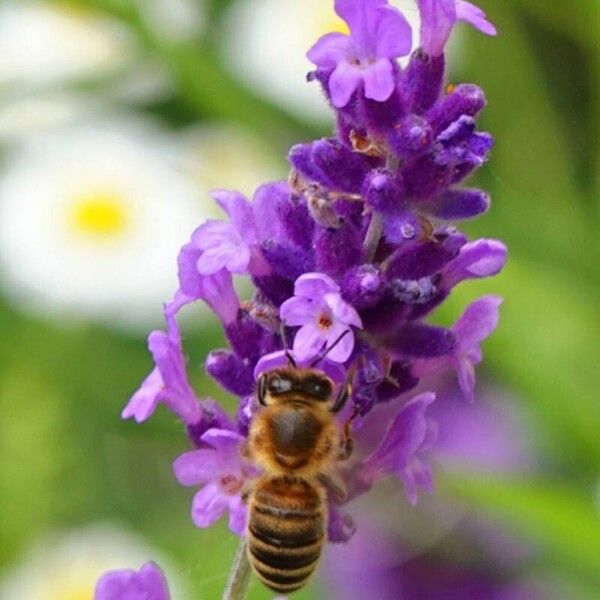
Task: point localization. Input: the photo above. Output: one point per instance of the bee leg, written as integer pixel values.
(345, 391)
(335, 484)
(347, 443)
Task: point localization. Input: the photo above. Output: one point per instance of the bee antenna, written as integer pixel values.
(288, 354)
(321, 356)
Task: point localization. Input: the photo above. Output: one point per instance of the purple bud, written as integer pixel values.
(230, 371)
(482, 258)
(384, 191)
(344, 168)
(411, 137)
(297, 222)
(422, 81)
(287, 260)
(402, 227)
(420, 341)
(275, 288)
(362, 286)
(331, 164)
(455, 205)
(426, 178)
(380, 117)
(464, 99)
(250, 339)
(337, 250)
(421, 259)
(212, 416)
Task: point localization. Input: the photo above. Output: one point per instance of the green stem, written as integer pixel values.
(239, 577)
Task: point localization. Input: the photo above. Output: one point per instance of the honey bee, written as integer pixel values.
(295, 438)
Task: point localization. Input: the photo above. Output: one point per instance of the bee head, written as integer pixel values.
(309, 384)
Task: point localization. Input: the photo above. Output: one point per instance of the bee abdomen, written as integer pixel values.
(285, 536)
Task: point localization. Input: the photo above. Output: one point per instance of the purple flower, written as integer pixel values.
(410, 433)
(438, 18)
(317, 307)
(220, 469)
(379, 34)
(167, 383)
(476, 324)
(216, 290)
(233, 246)
(146, 584)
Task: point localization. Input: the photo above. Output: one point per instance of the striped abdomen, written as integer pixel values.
(286, 529)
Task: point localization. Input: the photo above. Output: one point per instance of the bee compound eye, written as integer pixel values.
(318, 388)
(280, 385)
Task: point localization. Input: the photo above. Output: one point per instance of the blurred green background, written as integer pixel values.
(68, 461)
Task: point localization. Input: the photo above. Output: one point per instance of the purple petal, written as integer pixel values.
(466, 378)
(437, 20)
(214, 233)
(148, 583)
(477, 322)
(465, 11)
(482, 258)
(308, 341)
(342, 311)
(144, 402)
(340, 527)
(227, 442)
(234, 258)
(362, 17)
(208, 505)
(343, 82)
(329, 50)
(237, 515)
(379, 80)
(343, 348)
(455, 205)
(314, 285)
(393, 37)
(239, 211)
(416, 475)
(216, 290)
(197, 467)
(298, 311)
(279, 359)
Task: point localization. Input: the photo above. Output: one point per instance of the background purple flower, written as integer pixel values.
(148, 583)
(410, 433)
(477, 322)
(318, 309)
(379, 33)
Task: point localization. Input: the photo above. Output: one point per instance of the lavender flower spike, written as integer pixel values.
(222, 472)
(438, 18)
(146, 584)
(379, 34)
(317, 307)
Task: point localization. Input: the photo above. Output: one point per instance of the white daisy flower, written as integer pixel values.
(66, 566)
(227, 156)
(44, 44)
(266, 43)
(91, 220)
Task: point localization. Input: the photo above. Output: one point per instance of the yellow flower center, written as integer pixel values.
(99, 214)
